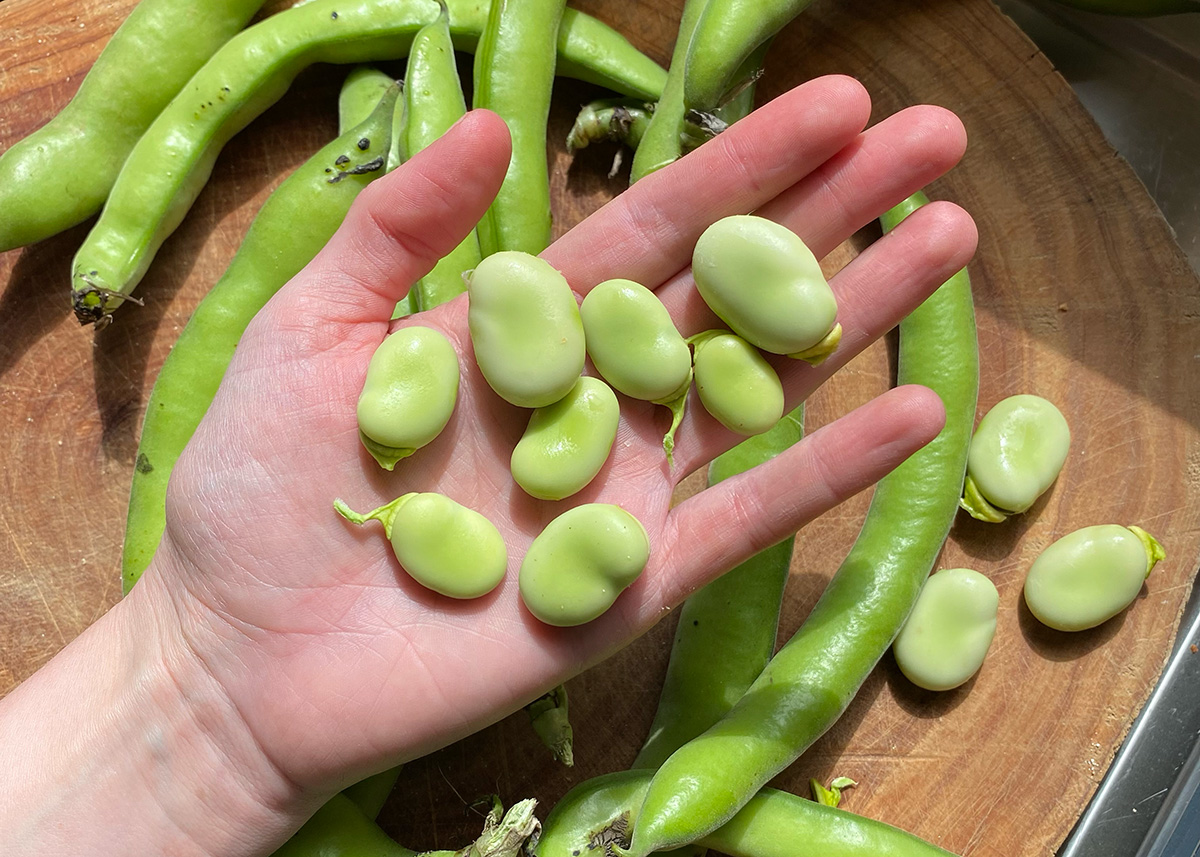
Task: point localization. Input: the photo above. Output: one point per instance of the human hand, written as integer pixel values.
(333, 663)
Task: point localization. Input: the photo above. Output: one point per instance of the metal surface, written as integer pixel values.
(1140, 79)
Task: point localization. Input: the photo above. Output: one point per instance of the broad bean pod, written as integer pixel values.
(772, 824)
(172, 160)
(514, 74)
(726, 630)
(613, 120)
(276, 247)
(434, 101)
(1090, 575)
(341, 829)
(61, 174)
(727, 33)
(361, 91)
(816, 674)
(660, 144)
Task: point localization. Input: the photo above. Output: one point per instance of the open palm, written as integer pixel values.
(338, 663)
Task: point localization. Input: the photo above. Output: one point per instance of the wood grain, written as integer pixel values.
(1082, 297)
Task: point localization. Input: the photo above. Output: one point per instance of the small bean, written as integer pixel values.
(566, 443)
(442, 544)
(1088, 576)
(1016, 454)
(409, 394)
(947, 634)
(736, 385)
(581, 562)
(525, 328)
(634, 343)
(765, 283)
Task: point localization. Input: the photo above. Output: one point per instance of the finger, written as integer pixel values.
(397, 230)
(735, 519)
(884, 165)
(648, 232)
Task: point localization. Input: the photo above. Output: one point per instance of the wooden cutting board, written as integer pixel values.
(1082, 295)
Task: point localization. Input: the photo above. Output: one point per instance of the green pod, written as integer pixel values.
(577, 566)
(727, 629)
(277, 246)
(442, 544)
(601, 811)
(736, 385)
(567, 442)
(408, 395)
(615, 120)
(434, 101)
(361, 91)
(61, 174)
(514, 75)
(633, 342)
(1088, 576)
(525, 329)
(341, 829)
(662, 145)
(764, 282)
(1016, 454)
(946, 637)
(724, 37)
(812, 679)
(172, 161)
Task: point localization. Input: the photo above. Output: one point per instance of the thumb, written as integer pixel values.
(399, 227)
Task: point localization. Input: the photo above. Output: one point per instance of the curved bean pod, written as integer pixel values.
(660, 145)
(361, 91)
(514, 73)
(168, 167)
(726, 631)
(434, 101)
(277, 245)
(172, 160)
(726, 35)
(817, 673)
(773, 823)
(61, 174)
(341, 829)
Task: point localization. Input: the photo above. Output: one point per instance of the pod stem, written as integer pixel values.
(385, 514)
(677, 407)
(548, 714)
(977, 506)
(1155, 552)
(387, 456)
(816, 354)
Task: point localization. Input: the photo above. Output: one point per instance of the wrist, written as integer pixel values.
(125, 744)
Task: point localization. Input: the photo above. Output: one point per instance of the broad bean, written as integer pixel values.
(442, 544)
(567, 442)
(1016, 454)
(1088, 576)
(409, 393)
(764, 282)
(736, 385)
(525, 329)
(581, 562)
(945, 638)
(634, 343)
